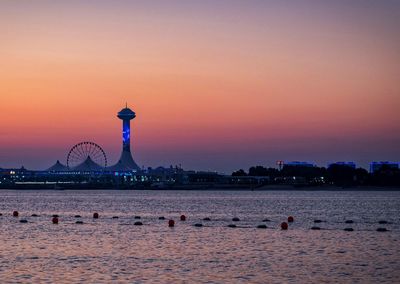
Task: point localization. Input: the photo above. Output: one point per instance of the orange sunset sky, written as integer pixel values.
(216, 85)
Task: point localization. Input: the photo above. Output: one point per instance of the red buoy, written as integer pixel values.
(96, 215)
(171, 223)
(284, 226)
(55, 220)
(290, 219)
(183, 218)
(15, 213)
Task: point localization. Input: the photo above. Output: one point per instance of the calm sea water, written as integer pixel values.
(107, 250)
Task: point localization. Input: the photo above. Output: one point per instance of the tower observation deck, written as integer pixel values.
(126, 162)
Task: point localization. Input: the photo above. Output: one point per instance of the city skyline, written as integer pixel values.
(216, 86)
(126, 163)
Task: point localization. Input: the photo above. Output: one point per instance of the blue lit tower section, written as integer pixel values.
(126, 162)
(126, 132)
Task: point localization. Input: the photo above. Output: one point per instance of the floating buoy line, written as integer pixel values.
(171, 223)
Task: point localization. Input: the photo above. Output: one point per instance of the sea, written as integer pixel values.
(112, 249)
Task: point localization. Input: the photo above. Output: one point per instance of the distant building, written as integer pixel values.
(58, 167)
(347, 164)
(299, 164)
(203, 177)
(375, 166)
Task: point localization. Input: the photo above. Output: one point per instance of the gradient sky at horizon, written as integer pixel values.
(216, 85)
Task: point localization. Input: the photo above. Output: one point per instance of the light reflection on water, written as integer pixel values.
(114, 250)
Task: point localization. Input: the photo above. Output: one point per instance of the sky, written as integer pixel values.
(216, 85)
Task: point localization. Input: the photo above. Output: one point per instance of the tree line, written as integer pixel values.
(340, 175)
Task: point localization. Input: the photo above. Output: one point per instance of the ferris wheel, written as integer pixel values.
(85, 151)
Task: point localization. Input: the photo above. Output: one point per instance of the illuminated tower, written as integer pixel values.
(126, 162)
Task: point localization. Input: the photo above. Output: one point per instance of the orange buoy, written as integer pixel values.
(55, 220)
(15, 213)
(96, 215)
(183, 218)
(290, 219)
(171, 223)
(284, 226)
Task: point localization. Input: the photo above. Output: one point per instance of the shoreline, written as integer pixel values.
(205, 188)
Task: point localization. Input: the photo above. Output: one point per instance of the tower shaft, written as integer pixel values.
(126, 135)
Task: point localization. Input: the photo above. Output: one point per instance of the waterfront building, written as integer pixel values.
(375, 166)
(346, 164)
(299, 164)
